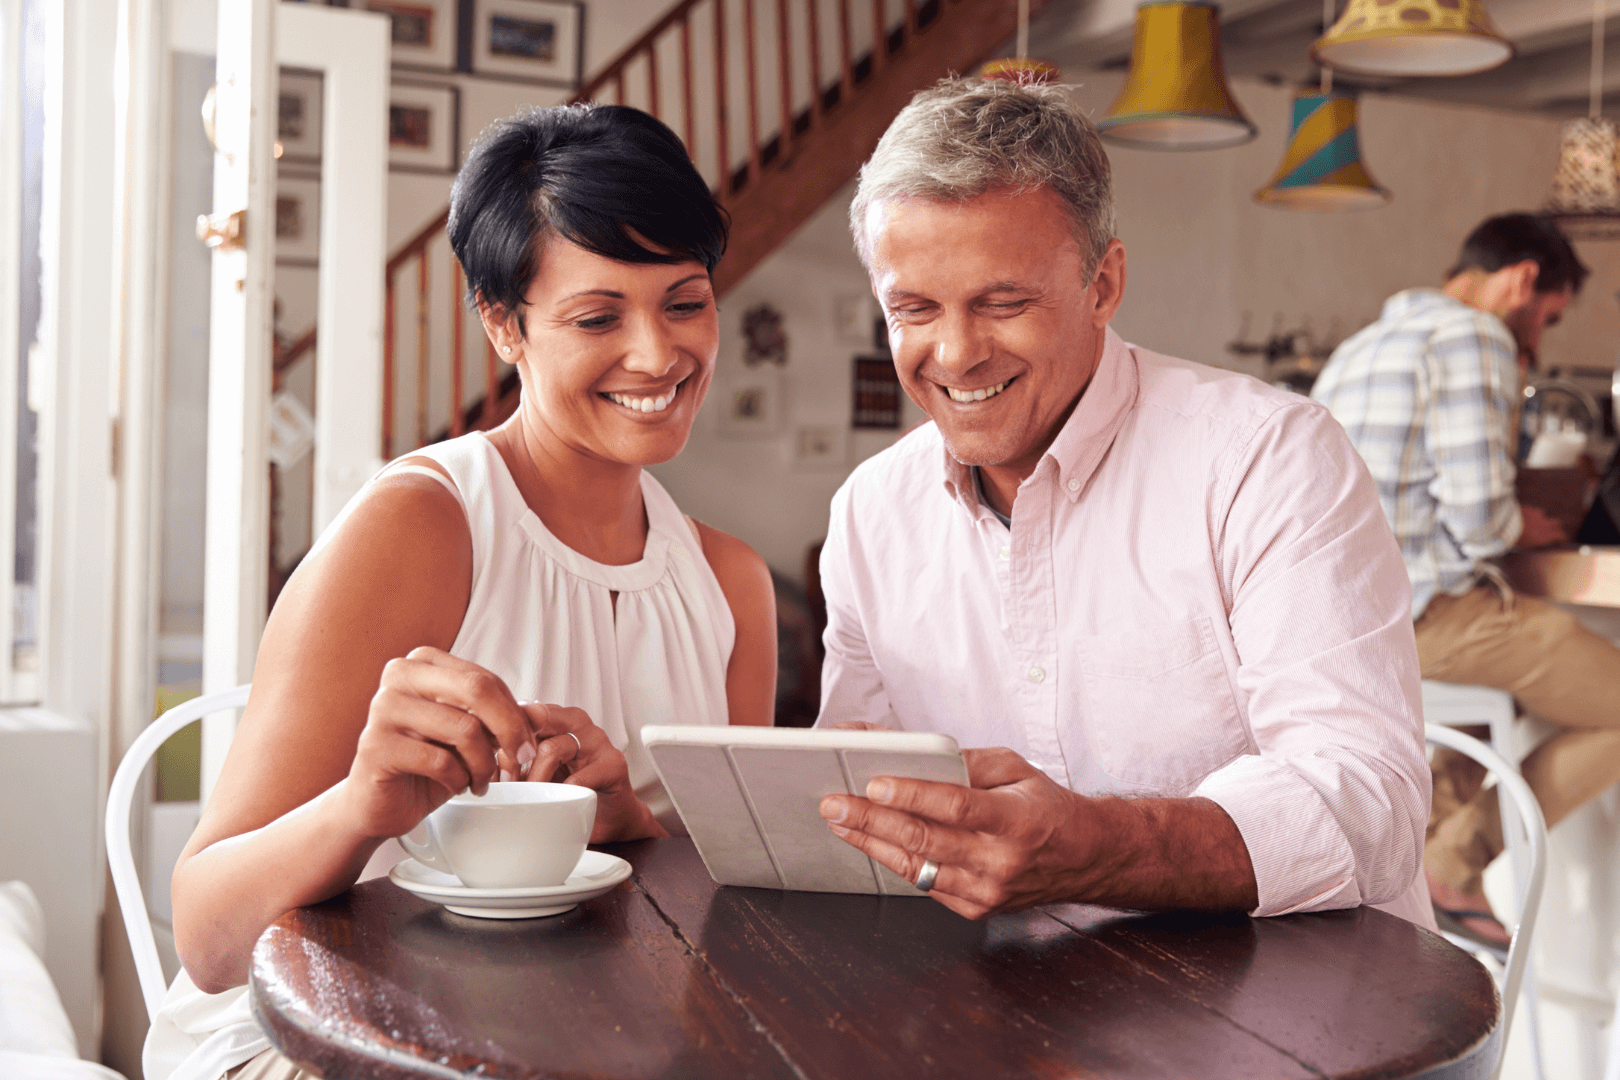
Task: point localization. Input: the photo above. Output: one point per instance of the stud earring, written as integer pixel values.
(507, 349)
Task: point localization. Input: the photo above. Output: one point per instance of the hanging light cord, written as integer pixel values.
(1327, 24)
(1023, 28)
(1594, 107)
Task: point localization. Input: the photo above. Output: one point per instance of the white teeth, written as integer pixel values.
(642, 404)
(976, 395)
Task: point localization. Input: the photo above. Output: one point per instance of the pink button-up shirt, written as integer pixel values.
(1199, 596)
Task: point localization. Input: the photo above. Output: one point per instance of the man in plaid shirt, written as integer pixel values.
(1428, 394)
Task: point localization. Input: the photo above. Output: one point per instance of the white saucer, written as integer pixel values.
(596, 873)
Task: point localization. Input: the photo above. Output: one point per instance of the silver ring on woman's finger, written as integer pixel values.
(579, 748)
(926, 876)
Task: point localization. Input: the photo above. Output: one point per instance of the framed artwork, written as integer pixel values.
(424, 31)
(821, 446)
(298, 117)
(533, 40)
(750, 404)
(298, 220)
(423, 128)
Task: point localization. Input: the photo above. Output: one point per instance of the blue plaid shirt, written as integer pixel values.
(1427, 394)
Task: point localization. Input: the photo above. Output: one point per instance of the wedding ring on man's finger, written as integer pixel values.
(926, 876)
(579, 747)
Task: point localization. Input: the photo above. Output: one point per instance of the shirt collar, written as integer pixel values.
(1084, 438)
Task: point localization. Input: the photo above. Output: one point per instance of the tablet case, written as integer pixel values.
(749, 798)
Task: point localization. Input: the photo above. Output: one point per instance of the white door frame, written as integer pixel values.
(351, 49)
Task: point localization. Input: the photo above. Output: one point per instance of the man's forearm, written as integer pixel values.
(1161, 854)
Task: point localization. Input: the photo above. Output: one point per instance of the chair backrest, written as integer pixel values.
(120, 800)
(1516, 793)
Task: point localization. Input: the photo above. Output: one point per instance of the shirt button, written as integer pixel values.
(1074, 485)
(1036, 674)
(1004, 554)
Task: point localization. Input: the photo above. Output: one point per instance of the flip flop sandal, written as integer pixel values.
(1450, 920)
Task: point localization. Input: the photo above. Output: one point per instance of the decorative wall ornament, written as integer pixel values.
(764, 336)
(1413, 37)
(1176, 97)
(1322, 169)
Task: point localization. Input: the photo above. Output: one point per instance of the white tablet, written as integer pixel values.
(749, 797)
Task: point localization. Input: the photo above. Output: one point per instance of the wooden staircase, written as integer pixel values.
(777, 128)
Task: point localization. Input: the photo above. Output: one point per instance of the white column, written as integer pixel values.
(236, 552)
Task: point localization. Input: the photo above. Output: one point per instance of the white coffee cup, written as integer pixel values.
(517, 835)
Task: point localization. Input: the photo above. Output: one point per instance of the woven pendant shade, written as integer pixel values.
(1175, 97)
(1413, 37)
(1321, 169)
(1587, 181)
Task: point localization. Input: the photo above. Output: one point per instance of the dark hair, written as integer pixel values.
(1509, 239)
(593, 173)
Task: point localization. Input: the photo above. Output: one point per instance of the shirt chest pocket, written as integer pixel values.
(1161, 713)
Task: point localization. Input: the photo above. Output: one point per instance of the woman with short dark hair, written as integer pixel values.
(521, 600)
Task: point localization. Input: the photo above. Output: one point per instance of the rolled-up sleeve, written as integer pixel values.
(1333, 805)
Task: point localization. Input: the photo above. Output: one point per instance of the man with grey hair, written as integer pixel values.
(1165, 592)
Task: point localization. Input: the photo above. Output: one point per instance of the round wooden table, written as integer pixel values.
(671, 975)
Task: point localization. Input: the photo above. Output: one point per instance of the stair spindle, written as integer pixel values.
(784, 69)
(813, 14)
(846, 68)
(880, 37)
(652, 78)
(492, 383)
(458, 350)
(388, 369)
(689, 121)
(423, 357)
(723, 151)
(751, 68)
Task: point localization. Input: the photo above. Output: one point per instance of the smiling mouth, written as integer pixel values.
(643, 404)
(969, 396)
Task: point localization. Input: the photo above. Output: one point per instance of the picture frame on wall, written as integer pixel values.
(298, 220)
(424, 128)
(423, 35)
(298, 117)
(750, 404)
(539, 41)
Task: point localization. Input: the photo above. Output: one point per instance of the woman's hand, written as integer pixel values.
(594, 762)
(437, 726)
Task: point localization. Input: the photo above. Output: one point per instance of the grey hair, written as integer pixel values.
(963, 137)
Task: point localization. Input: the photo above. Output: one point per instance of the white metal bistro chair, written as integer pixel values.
(1526, 816)
(120, 800)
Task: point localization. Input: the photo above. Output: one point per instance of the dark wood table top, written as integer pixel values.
(670, 975)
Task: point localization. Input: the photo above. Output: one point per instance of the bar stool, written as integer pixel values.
(1460, 705)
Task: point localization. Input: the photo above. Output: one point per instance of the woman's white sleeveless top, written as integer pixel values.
(646, 643)
(545, 619)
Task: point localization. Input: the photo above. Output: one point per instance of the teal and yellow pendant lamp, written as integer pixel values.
(1176, 97)
(1322, 169)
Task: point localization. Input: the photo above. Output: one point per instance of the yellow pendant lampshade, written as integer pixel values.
(1321, 169)
(1587, 181)
(1176, 97)
(1413, 37)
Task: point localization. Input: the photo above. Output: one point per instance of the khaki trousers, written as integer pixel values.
(269, 1065)
(1558, 671)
